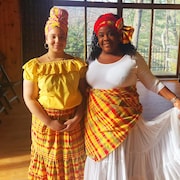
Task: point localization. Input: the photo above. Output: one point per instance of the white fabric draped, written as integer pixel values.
(151, 152)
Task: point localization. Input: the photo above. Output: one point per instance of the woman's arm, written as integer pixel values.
(80, 110)
(169, 95)
(154, 84)
(30, 95)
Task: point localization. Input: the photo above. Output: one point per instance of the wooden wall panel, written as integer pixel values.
(21, 33)
(10, 38)
(34, 15)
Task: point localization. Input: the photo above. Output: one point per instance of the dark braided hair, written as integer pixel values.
(128, 49)
(95, 49)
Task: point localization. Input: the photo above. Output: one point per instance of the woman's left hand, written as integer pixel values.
(72, 123)
(177, 103)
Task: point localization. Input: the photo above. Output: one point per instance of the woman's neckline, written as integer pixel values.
(114, 62)
(46, 59)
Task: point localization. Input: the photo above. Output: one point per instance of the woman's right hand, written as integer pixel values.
(55, 125)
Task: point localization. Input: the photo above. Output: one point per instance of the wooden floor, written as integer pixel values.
(15, 131)
(15, 141)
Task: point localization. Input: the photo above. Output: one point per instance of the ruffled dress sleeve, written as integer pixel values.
(30, 70)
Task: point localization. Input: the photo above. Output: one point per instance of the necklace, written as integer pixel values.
(49, 59)
(55, 59)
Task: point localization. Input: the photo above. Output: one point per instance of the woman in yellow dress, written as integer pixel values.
(53, 89)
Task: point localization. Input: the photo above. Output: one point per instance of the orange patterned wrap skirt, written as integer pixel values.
(56, 155)
(111, 114)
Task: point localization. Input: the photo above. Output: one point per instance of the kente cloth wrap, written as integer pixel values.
(111, 114)
(58, 18)
(57, 155)
(110, 20)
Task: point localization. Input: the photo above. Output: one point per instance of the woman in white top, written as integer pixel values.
(120, 144)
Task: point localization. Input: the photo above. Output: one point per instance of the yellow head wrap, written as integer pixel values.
(58, 18)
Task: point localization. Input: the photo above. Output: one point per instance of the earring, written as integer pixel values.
(97, 44)
(46, 46)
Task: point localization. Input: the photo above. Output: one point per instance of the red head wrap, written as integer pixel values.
(112, 21)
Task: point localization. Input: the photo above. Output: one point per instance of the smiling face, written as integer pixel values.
(108, 39)
(56, 40)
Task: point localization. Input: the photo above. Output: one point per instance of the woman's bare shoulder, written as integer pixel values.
(42, 58)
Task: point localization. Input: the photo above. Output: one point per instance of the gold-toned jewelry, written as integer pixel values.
(46, 46)
(50, 59)
(173, 100)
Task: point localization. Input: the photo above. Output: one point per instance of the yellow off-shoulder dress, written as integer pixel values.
(56, 155)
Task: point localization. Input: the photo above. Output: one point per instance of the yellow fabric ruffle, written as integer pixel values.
(36, 68)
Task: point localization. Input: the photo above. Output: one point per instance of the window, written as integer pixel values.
(156, 35)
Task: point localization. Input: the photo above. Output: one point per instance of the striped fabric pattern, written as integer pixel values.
(110, 115)
(55, 155)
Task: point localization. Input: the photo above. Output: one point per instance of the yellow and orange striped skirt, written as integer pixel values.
(56, 155)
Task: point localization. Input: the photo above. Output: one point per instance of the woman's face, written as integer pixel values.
(56, 40)
(108, 39)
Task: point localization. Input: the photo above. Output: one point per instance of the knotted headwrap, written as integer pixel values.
(58, 18)
(118, 24)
